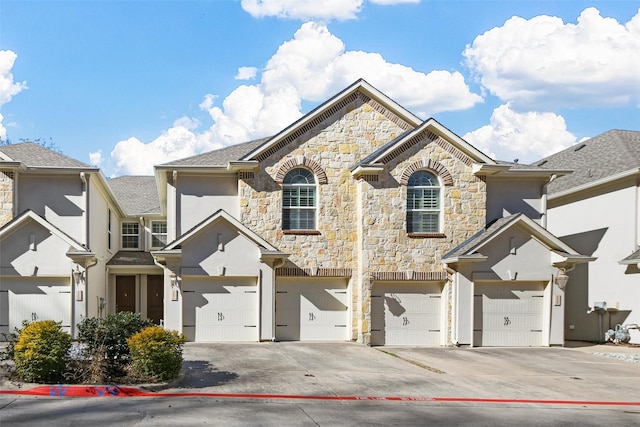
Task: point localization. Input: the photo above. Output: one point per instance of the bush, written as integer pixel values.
(105, 342)
(157, 353)
(40, 354)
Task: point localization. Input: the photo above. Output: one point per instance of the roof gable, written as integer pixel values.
(430, 130)
(473, 245)
(30, 215)
(221, 215)
(360, 89)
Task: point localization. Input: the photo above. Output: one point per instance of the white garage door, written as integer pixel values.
(34, 299)
(312, 309)
(220, 309)
(508, 314)
(406, 313)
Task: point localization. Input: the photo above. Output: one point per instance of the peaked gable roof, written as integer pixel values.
(634, 258)
(432, 130)
(32, 155)
(224, 216)
(29, 215)
(600, 158)
(138, 195)
(310, 120)
(469, 248)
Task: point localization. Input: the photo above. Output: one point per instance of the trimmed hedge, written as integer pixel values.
(157, 353)
(41, 352)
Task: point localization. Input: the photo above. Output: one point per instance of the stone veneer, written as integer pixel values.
(6, 197)
(361, 224)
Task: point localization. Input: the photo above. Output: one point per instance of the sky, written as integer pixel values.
(124, 85)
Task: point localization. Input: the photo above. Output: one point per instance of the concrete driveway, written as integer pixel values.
(350, 369)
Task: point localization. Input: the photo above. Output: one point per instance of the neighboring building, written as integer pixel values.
(359, 222)
(596, 210)
(53, 243)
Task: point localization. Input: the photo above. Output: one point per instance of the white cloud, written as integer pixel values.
(8, 88)
(303, 9)
(525, 136)
(246, 73)
(95, 158)
(312, 66)
(543, 62)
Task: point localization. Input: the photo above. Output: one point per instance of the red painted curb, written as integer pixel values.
(125, 391)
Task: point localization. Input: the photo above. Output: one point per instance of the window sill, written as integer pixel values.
(427, 235)
(302, 232)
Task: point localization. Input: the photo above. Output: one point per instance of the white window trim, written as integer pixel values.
(439, 210)
(151, 233)
(314, 208)
(122, 235)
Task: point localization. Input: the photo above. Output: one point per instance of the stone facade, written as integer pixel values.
(361, 226)
(6, 196)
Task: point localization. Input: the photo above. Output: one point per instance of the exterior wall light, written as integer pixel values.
(562, 279)
(78, 280)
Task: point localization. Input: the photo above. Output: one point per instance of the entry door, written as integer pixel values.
(126, 293)
(155, 298)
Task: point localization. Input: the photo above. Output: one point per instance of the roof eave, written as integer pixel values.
(594, 184)
(465, 259)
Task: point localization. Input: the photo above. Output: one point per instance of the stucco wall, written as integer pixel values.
(603, 224)
(58, 198)
(199, 196)
(510, 196)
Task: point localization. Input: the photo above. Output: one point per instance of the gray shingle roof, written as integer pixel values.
(136, 194)
(34, 155)
(600, 157)
(131, 258)
(219, 157)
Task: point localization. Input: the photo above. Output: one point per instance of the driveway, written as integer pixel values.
(350, 369)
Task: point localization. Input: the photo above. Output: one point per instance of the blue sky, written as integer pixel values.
(128, 84)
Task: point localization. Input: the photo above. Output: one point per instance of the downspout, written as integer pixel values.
(85, 197)
(174, 175)
(543, 201)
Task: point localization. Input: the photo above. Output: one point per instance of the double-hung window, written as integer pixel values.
(299, 200)
(130, 235)
(423, 203)
(158, 234)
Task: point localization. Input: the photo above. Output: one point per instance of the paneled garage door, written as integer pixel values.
(220, 309)
(406, 313)
(34, 299)
(312, 309)
(508, 314)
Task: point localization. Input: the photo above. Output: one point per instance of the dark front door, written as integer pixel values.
(155, 300)
(126, 293)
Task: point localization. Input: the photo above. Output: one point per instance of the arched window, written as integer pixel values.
(299, 200)
(423, 203)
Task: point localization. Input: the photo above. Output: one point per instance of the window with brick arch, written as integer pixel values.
(299, 200)
(423, 203)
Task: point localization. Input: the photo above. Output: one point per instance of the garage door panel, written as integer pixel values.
(508, 314)
(220, 309)
(406, 313)
(311, 310)
(34, 299)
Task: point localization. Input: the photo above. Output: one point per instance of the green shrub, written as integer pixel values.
(41, 351)
(105, 340)
(157, 353)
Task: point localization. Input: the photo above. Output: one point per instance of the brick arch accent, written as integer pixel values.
(294, 162)
(437, 167)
